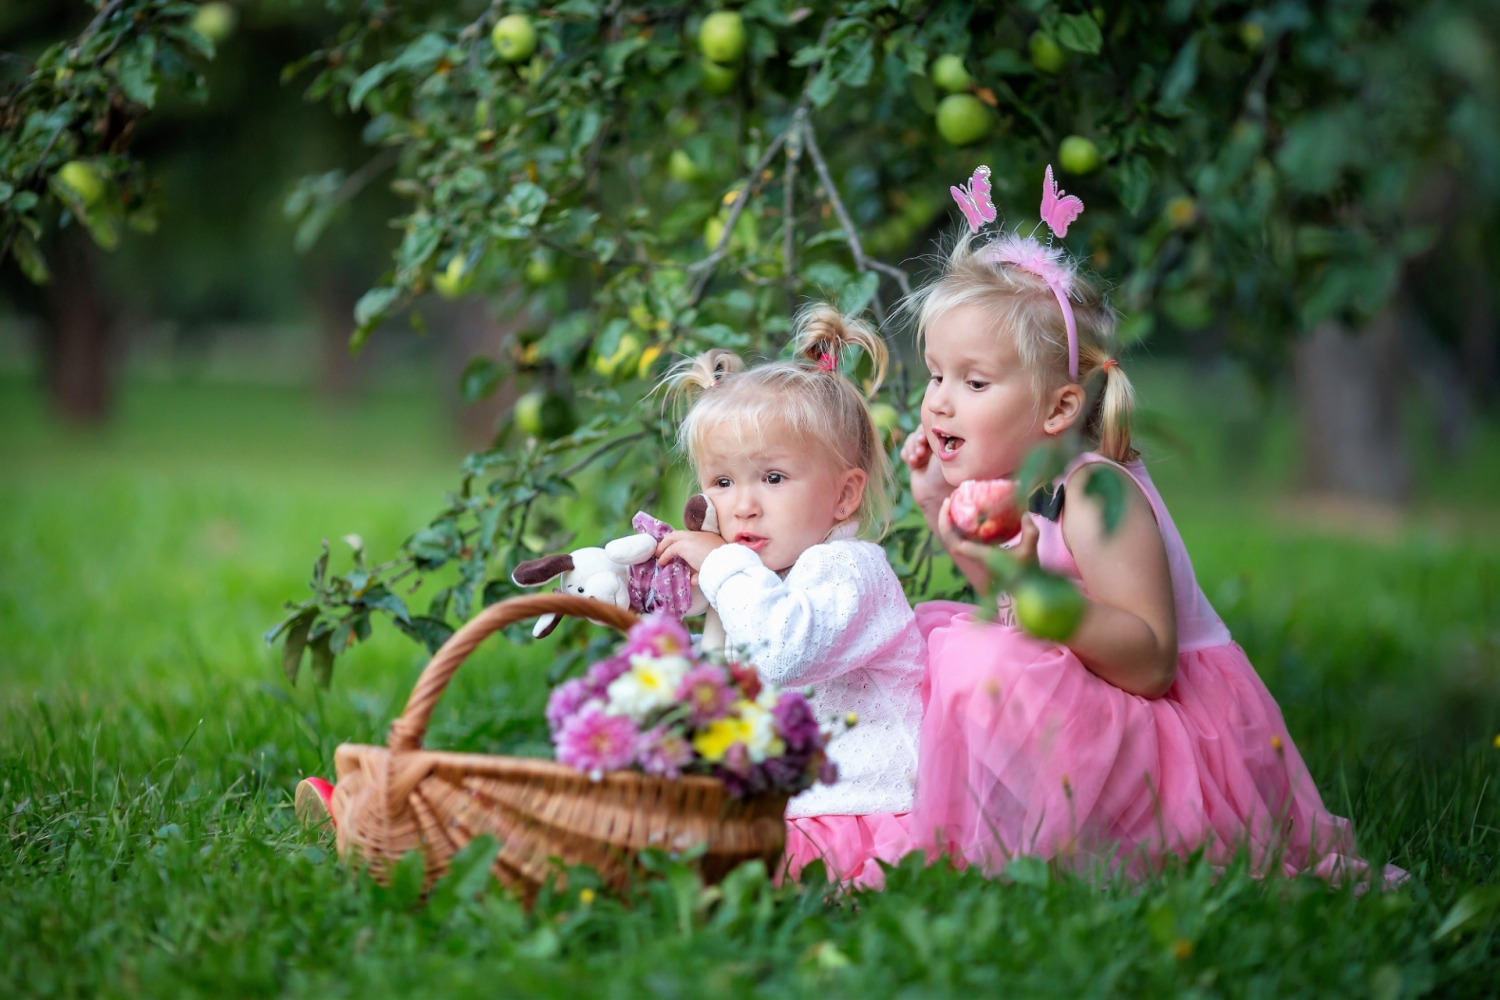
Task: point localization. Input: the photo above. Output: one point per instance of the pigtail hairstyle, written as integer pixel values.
(813, 402)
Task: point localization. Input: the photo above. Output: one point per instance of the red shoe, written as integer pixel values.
(314, 803)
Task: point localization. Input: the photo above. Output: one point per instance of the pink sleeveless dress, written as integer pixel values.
(1025, 751)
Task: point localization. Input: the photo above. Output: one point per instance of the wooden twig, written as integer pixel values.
(861, 261)
(788, 207)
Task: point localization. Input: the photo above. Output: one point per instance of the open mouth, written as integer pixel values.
(752, 542)
(947, 444)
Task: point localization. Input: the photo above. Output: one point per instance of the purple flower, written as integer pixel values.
(567, 698)
(737, 760)
(594, 742)
(664, 753)
(657, 635)
(705, 692)
(787, 773)
(828, 774)
(796, 724)
(601, 674)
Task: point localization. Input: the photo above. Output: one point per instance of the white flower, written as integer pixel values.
(649, 685)
(762, 741)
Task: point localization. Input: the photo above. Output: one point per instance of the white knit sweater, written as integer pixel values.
(838, 621)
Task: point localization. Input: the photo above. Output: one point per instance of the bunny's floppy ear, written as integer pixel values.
(699, 514)
(535, 572)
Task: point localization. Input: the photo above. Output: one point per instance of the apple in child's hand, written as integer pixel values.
(1047, 606)
(986, 509)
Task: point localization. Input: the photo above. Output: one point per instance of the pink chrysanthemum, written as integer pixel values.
(657, 635)
(1029, 254)
(594, 742)
(664, 753)
(567, 698)
(705, 692)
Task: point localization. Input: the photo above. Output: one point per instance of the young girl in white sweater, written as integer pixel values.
(791, 460)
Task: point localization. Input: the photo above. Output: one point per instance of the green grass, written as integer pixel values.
(149, 745)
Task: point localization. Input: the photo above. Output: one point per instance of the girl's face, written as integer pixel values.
(981, 413)
(773, 496)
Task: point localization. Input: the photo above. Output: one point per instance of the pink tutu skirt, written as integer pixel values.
(1025, 751)
(850, 846)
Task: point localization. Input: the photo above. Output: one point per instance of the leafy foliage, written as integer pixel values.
(66, 128)
(1261, 173)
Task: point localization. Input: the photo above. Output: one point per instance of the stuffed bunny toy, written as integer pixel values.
(624, 573)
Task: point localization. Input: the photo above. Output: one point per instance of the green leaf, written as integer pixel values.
(29, 258)
(372, 305)
(1042, 464)
(378, 598)
(296, 642)
(430, 632)
(468, 876)
(406, 879)
(480, 378)
(1180, 78)
(322, 660)
(823, 87)
(1079, 32)
(858, 293)
(136, 70)
(525, 201)
(1132, 182)
(1473, 909)
(366, 82)
(1105, 484)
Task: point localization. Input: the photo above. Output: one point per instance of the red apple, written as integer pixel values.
(986, 509)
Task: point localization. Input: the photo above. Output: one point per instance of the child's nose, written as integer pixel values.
(936, 400)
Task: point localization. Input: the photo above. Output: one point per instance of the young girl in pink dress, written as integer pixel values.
(791, 460)
(1147, 733)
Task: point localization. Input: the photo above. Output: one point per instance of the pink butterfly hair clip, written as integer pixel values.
(1059, 210)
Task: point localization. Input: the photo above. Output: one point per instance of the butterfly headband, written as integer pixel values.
(1047, 262)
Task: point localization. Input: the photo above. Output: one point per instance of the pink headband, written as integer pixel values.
(1047, 262)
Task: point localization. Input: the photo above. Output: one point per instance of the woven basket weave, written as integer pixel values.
(397, 798)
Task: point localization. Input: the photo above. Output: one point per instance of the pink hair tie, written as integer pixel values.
(1111, 363)
(1049, 263)
(828, 362)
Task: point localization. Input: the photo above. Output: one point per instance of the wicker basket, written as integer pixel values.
(393, 799)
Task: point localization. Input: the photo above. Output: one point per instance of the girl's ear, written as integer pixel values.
(1064, 407)
(851, 492)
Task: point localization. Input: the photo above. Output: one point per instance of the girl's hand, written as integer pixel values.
(692, 547)
(968, 552)
(928, 487)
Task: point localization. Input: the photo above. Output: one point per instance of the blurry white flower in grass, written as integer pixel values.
(648, 686)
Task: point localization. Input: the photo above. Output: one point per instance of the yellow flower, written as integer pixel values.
(1182, 948)
(714, 742)
(1497, 741)
(586, 896)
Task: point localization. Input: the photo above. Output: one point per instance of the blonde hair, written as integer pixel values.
(1020, 304)
(811, 403)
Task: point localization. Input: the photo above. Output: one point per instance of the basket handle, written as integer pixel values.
(409, 728)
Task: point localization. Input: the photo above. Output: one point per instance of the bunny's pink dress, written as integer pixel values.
(1024, 751)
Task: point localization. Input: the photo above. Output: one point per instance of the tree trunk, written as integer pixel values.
(474, 331)
(334, 300)
(1348, 393)
(78, 334)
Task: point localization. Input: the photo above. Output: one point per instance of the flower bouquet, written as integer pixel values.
(657, 707)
